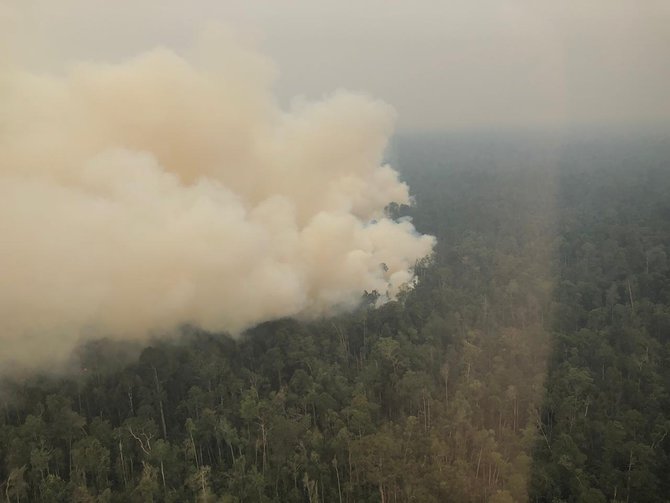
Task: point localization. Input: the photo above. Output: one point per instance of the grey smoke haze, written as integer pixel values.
(442, 63)
(161, 190)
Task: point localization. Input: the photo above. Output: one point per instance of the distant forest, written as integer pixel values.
(531, 361)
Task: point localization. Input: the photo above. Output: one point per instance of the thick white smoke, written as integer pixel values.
(159, 191)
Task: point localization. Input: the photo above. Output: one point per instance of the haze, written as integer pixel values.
(441, 64)
(176, 162)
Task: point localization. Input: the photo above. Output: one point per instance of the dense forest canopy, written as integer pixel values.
(530, 362)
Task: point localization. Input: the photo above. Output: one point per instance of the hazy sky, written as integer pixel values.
(441, 64)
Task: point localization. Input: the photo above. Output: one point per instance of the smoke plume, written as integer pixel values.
(164, 190)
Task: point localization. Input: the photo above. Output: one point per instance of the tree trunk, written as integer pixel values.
(123, 465)
(160, 404)
(630, 466)
(339, 487)
(163, 476)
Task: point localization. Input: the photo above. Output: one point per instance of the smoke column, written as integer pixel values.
(164, 190)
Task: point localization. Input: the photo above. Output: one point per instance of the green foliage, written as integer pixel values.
(607, 405)
(438, 396)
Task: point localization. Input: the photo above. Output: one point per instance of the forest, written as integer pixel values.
(530, 362)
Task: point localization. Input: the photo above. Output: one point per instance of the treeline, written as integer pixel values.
(438, 396)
